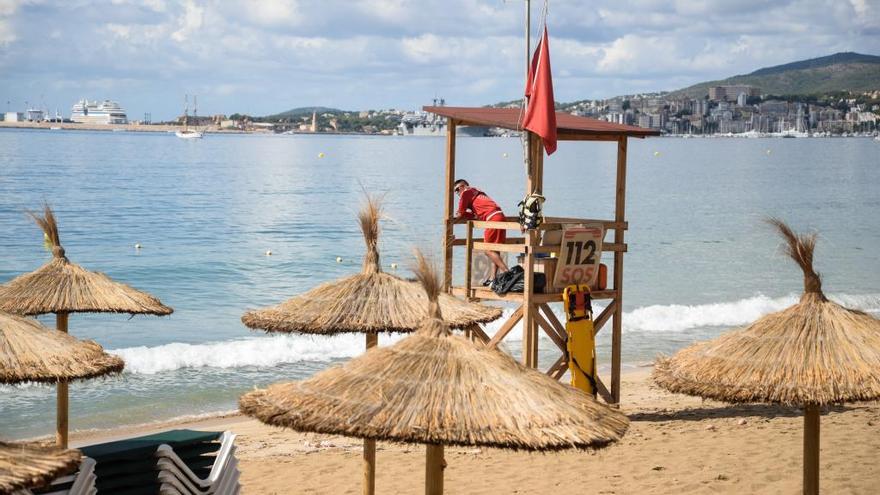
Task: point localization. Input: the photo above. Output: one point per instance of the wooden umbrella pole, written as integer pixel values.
(61, 403)
(434, 465)
(369, 444)
(811, 450)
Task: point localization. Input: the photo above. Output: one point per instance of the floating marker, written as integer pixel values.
(268, 252)
(504, 155)
(394, 266)
(137, 246)
(339, 259)
(656, 153)
(321, 155)
(768, 151)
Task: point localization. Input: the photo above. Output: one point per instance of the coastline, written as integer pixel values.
(675, 444)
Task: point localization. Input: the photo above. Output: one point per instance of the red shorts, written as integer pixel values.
(495, 236)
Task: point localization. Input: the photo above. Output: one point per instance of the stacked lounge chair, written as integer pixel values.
(80, 483)
(176, 462)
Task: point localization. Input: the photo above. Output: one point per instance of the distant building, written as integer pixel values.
(13, 117)
(34, 115)
(92, 112)
(732, 92)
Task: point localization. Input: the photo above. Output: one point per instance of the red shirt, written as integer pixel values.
(476, 204)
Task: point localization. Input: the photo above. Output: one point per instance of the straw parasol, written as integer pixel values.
(369, 302)
(62, 287)
(811, 354)
(25, 467)
(30, 352)
(437, 388)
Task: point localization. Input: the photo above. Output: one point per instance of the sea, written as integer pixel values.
(205, 213)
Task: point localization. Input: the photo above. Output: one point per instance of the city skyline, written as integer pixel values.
(270, 56)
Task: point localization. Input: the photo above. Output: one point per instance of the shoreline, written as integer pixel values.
(675, 444)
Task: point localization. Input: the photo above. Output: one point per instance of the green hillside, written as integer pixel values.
(839, 72)
(302, 111)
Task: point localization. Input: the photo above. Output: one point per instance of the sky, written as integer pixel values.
(265, 56)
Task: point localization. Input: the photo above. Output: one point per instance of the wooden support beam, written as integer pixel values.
(434, 465)
(469, 256)
(811, 450)
(491, 224)
(603, 390)
(62, 405)
(549, 330)
(560, 364)
(479, 293)
(551, 317)
(506, 327)
(478, 333)
(449, 236)
(555, 223)
(599, 322)
(509, 240)
(606, 247)
(369, 456)
(530, 329)
(507, 248)
(617, 325)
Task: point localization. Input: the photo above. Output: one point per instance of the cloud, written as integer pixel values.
(261, 57)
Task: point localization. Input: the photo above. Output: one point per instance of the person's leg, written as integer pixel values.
(497, 263)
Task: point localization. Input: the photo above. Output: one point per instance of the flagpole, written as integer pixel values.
(528, 140)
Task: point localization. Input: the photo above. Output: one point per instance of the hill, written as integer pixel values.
(846, 71)
(302, 111)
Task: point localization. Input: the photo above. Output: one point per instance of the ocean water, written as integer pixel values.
(700, 260)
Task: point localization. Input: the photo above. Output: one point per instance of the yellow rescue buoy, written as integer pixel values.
(581, 344)
(321, 155)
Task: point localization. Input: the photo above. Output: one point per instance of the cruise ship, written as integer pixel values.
(94, 112)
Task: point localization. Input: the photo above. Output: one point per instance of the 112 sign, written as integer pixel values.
(579, 255)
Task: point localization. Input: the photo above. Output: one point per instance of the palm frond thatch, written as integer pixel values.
(29, 466)
(438, 388)
(816, 352)
(30, 352)
(369, 302)
(60, 286)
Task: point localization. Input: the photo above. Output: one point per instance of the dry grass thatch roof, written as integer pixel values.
(438, 388)
(815, 352)
(60, 286)
(30, 466)
(369, 302)
(30, 352)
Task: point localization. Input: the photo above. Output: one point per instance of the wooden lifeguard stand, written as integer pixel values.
(534, 309)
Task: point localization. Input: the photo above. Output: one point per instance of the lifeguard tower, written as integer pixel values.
(534, 310)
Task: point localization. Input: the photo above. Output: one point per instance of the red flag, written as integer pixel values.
(540, 116)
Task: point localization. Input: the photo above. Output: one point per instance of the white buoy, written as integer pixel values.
(268, 252)
(504, 155)
(339, 259)
(394, 266)
(656, 153)
(769, 151)
(321, 155)
(137, 246)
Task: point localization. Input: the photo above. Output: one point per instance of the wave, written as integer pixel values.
(282, 349)
(252, 351)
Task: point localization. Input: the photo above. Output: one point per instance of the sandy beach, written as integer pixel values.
(675, 444)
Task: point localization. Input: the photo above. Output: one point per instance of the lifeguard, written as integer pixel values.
(475, 204)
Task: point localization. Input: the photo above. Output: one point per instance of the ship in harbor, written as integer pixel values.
(428, 124)
(94, 112)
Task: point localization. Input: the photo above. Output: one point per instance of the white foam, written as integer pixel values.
(252, 351)
(279, 349)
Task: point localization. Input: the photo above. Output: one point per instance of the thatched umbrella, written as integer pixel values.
(439, 389)
(25, 467)
(30, 352)
(811, 354)
(62, 287)
(369, 302)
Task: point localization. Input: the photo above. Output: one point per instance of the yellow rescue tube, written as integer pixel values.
(581, 343)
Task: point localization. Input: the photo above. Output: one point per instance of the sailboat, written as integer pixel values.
(188, 133)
